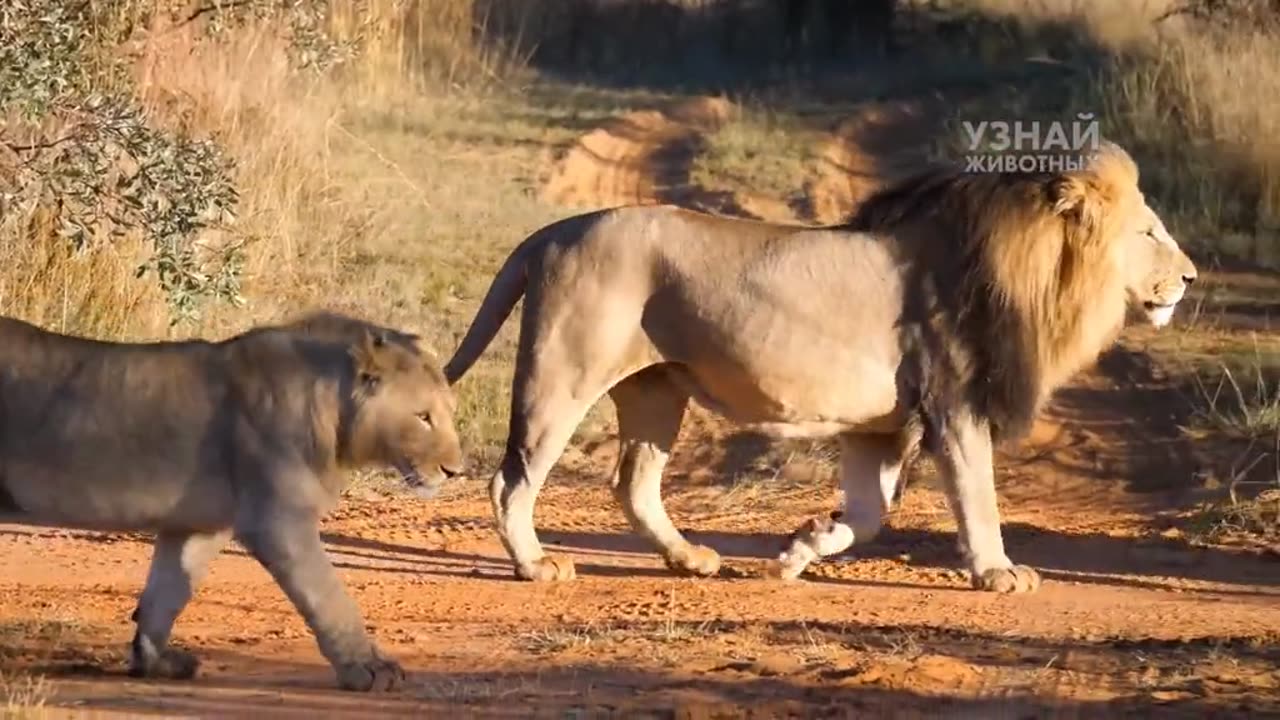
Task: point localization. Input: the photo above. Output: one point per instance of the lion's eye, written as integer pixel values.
(425, 417)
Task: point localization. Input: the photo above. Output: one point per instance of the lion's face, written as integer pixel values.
(403, 416)
(1157, 271)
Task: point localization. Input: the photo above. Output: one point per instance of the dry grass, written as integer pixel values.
(23, 696)
(92, 292)
(1244, 408)
(1195, 106)
(560, 639)
(1247, 406)
(759, 151)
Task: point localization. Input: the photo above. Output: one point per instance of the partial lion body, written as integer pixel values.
(594, 314)
(946, 310)
(201, 441)
(83, 421)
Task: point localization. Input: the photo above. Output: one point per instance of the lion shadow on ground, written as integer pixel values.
(846, 681)
(357, 553)
(1089, 558)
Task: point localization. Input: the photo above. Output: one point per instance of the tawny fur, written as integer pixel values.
(949, 307)
(198, 441)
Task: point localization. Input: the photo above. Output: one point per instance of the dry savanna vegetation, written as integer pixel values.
(179, 168)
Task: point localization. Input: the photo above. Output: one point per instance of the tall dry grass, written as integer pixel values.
(280, 127)
(1197, 102)
(93, 291)
(1202, 110)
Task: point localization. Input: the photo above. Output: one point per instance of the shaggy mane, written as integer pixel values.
(1018, 283)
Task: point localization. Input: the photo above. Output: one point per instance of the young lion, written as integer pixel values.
(201, 441)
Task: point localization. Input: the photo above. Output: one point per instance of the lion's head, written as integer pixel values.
(1159, 271)
(1105, 205)
(402, 412)
(1022, 279)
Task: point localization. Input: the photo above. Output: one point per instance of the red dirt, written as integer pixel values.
(1133, 617)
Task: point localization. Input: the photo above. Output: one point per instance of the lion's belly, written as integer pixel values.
(801, 400)
(116, 499)
(799, 338)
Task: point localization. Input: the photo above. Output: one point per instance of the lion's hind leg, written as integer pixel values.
(537, 438)
(650, 409)
(578, 337)
(178, 564)
(870, 469)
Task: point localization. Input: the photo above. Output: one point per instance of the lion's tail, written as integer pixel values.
(505, 291)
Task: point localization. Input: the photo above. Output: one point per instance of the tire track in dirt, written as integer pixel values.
(876, 144)
(645, 157)
(642, 157)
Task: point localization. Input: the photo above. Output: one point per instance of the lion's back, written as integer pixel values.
(109, 433)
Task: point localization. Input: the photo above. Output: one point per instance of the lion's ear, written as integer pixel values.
(1077, 202)
(367, 354)
(1067, 195)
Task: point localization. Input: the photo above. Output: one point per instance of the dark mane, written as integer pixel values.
(909, 198)
(988, 260)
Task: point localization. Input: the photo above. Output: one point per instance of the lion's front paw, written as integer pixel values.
(697, 560)
(547, 569)
(377, 674)
(1015, 579)
(169, 664)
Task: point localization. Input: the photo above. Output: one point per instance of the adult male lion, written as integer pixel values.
(199, 441)
(948, 308)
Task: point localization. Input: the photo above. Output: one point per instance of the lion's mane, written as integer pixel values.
(1014, 281)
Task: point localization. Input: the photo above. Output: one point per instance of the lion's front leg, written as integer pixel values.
(967, 467)
(870, 467)
(285, 539)
(650, 409)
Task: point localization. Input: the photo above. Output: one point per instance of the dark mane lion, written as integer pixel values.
(952, 300)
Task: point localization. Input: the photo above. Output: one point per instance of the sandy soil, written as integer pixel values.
(1133, 618)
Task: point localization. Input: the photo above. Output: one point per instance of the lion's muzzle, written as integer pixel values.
(420, 486)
